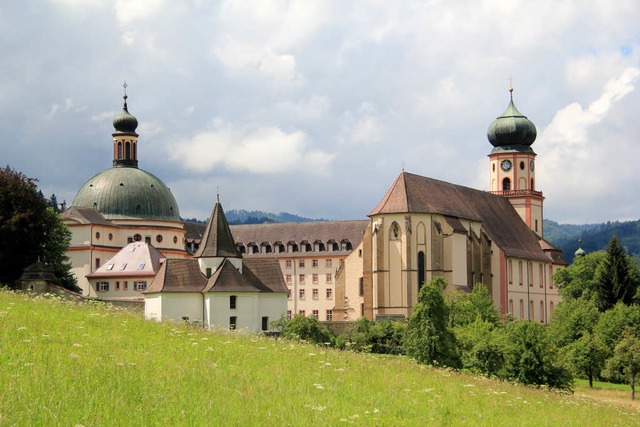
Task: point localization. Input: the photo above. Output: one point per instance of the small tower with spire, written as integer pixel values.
(512, 163)
(125, 138)
(217, 243)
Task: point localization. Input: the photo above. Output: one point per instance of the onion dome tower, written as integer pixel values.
(512, 163)
(125, 192)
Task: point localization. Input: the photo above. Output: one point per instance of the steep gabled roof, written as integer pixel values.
(412, 193)
(217, 240)
(178, 275)
(135, 259)
(227, 278)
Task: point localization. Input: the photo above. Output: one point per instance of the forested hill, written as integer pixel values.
(241, 216)
(594, 236)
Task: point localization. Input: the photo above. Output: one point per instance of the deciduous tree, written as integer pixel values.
(428, 338)
(626, 358)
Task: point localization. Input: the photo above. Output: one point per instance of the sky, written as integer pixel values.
(315, 107)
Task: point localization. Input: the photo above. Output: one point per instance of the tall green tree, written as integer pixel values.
(612, 323)
(614, 278)
(531, 358)
(481, 345)
(428, 338)
(626, 359)
(586, 356)
(25, 224)
(578, 281)
(54, 252)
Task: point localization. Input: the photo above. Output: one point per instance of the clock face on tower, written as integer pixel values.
(531, 165)
(505, 165)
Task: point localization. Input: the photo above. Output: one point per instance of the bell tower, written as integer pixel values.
(125, 138)
(512, 163)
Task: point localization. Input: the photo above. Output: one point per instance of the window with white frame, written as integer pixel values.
(327, 263)
(329, 293)
(314, 278)
(288, 278)
(314, 263)
(329, 278)
(301, 263)
(288, 314)
(140, 285)
(287, 264)
(301, 294)
(301, 279)
(102, 286)
(314, 293)
(315, 314)
(329, 315)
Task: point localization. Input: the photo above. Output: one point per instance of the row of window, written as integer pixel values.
(266, 247)
(302, 278)
(531, 314)
(138, 238)
(314, 313)
(302, 294)
(137, 286)
(530, 271)
(328, 263)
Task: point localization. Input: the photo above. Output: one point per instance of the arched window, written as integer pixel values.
(127, 150)
(506, 184)
(119, 149)
(135, 154)
(532, 186)
(394, 231)
(420, 270)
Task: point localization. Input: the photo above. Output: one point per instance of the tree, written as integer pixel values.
(53, 202)
(626, 359)
(578, 281)
(530, 357)
(481, 344)
(25, 223)
(384, 337)
(587, 355)
(614, 279)
(466, 307)
(571, 320)
(304, 328)
(53, 252)
(428, 338)
(613, 322)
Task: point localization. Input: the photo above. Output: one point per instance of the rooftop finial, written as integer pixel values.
(218, 194)
(511, 86)
(124, 85)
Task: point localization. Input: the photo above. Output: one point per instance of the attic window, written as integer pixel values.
(121, 184)
(110, 236)
(123, 266)
(109, 267)
(141, 266)
(137, 237)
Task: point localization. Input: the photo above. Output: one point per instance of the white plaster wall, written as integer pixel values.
(175, 305)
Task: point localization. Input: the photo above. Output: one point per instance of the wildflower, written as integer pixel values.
(318, 408)
(22, 328)
(319, 386)
(77, 345)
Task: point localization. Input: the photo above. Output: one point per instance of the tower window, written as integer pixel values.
(506, 184)
(521, 165)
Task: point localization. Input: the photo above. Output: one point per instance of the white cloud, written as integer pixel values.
(128, 11)
(362, 127)
(258, 150)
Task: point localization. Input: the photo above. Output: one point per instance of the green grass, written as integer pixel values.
(67, 364)
(603, 385)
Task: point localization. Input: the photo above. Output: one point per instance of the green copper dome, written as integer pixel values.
(125, 122)
(127, 193)
(512, 128)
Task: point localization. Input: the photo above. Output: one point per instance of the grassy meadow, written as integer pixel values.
(64, 363)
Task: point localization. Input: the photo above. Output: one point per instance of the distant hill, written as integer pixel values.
(241, 216)
(595, 237)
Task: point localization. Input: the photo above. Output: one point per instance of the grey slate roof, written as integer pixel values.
(412, 193)
(85, 216)
(217, 240)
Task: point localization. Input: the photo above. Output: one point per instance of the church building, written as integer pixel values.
(119, 206)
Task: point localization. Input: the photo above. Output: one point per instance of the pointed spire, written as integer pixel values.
(217, 241)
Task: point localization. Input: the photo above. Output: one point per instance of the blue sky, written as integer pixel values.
(315, 107)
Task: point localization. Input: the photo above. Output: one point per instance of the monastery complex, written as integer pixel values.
(130, 244)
